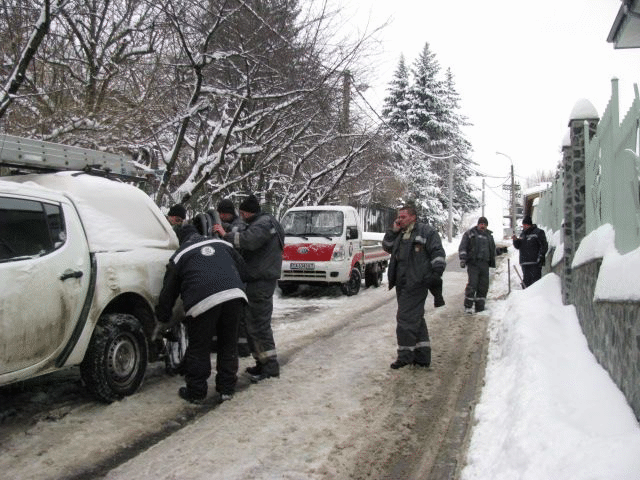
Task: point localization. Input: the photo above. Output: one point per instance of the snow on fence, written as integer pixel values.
(607, 185)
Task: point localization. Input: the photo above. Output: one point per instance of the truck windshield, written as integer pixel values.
(303, 223)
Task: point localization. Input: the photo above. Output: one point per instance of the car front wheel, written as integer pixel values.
(352, 287)
(116, 359)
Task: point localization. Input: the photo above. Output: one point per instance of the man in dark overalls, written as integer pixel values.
(417, 262)
(477, 251)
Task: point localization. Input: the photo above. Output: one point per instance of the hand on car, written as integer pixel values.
(217, 228)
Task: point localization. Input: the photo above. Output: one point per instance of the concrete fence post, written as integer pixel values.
(582, 124)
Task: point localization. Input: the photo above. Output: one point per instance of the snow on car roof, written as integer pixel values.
(116, 216)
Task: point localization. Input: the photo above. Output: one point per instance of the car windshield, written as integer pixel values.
(313, 222)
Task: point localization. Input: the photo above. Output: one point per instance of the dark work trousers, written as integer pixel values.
(258, 317)
(411, 328)
(531, 274)
(243, 343)
(243, 340)
(478, 286)
(222, 318)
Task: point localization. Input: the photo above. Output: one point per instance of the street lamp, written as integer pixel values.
(513, 195)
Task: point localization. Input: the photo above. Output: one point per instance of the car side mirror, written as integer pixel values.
(352, 233)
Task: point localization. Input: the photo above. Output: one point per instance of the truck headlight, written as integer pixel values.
(338, 253)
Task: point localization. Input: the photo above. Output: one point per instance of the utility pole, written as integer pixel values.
(513, 202)
(346, 100)
(513, 194)
(450, 225)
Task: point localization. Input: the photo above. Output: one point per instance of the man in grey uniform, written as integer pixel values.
(260, 244)
(477, 251)
(417, 262)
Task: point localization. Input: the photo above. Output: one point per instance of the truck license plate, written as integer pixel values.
(302, 266)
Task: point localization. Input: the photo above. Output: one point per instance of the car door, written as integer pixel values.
(44, 278)
(352, 234)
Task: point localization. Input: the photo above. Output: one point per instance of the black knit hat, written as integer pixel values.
(483, 220)
(177, 211)
(250, 204)
(226, 206)
(527, 220)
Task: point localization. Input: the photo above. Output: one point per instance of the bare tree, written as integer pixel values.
(18, 12)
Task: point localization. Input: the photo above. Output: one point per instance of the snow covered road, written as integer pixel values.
(337, 411)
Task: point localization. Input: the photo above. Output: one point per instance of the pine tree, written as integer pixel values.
(458, 145)
(396, 103)
(428, 108)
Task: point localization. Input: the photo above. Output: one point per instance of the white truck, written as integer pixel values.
(82, 260)
(325, 245)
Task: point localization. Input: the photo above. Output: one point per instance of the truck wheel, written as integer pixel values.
(288, 288)
(373, 276)
(116, 359)
(352, 287)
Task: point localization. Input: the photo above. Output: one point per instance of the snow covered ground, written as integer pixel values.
(547, 409)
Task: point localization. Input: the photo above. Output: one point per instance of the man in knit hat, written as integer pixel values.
(260, 244)
(477, 252)
(227, 213)
(231, 222)
(177, 214)
(533, 247)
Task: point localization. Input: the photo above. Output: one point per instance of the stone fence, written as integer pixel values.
(598, 184)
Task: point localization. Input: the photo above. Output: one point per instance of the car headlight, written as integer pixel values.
(338, 253)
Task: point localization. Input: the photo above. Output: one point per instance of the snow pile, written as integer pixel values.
(548, 409)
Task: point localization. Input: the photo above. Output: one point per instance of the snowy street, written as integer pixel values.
(547, 409)
(337, 410)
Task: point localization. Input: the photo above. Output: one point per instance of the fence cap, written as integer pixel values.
(583, 110)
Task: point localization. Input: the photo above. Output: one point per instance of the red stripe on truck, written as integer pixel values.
(308, 252)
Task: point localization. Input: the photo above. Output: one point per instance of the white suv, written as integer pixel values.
(82, 259)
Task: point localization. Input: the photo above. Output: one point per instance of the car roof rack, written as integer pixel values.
(38, 155)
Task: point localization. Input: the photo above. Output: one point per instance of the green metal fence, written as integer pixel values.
(612, 171)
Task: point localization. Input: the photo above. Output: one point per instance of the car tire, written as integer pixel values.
(288, 288)
(116, 359)
(352, 287)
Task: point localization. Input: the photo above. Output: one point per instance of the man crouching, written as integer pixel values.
(208, 275)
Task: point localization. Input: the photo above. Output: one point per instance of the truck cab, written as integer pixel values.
(323, 246)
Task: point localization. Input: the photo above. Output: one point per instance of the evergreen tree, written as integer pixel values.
(396, 103)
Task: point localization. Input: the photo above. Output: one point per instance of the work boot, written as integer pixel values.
(468, 310)
(255, 370)
(185, 394)
(399, 364)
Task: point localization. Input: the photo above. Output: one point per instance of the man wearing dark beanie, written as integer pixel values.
(477, 252)
(231, 222)
(533, 247)
(176, 216)
(260, 244)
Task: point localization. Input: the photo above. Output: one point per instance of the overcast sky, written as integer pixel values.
(519, 67)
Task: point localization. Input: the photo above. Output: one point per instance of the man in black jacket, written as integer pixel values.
(261, 244)
(208, 275)
(477, 251)
(533, 247)
(417, 263)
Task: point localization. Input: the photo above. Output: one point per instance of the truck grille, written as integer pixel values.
(303, 274)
